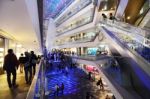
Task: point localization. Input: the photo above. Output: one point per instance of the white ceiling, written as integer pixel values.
(17, 22)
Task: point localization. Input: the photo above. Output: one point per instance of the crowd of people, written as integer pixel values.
(26, 63)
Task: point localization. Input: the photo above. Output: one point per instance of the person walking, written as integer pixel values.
(21, 63)
(10, 65)
(62, 88)
(57, 89)
(28, 68)
(33, 61)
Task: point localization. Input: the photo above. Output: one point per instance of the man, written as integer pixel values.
(21, 63)
(10, 65)
(28, 68)
(33, 61)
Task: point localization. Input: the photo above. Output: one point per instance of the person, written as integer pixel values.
(87, 95)
(21, 63)
(111, 17)
(56, 89)
(10, 65)
(104, 16)
(33, 61)
(101, 84)
(28, 68)
(89, 75)
(107, 97)
(62, 88)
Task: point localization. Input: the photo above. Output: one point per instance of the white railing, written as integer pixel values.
(79, 6)
(138, 34)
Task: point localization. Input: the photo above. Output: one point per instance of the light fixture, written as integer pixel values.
(128, 17)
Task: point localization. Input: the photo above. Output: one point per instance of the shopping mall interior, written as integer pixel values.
(84, 49)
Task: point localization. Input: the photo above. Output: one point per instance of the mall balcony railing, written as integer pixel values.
(137, 47)
(37, 89)
(91, 57)
(78, 7)
(80, 40)
(126, 27)
(77, 24)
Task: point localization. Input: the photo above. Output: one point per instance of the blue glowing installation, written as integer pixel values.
(52, 8)
(71, 82)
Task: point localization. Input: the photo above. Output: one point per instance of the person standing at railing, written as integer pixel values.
(104, 16)
(111, 17)
(10, 65)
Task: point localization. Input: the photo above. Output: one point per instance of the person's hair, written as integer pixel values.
(10, 51)
(26, 53)
(32, 52)
(21, 54)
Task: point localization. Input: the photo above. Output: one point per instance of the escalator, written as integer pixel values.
(134, 69)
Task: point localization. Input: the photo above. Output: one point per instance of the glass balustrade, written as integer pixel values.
(76, 40)
(126, 27)
(78, 23)
(82, 4)
(90, 57)
(132, 44)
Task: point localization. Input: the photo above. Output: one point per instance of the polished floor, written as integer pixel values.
(17, 93)
(76, 84)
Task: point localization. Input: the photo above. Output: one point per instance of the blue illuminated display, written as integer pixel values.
(52, 8)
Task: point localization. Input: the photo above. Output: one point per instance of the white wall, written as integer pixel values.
(33, 13)
(50, 34)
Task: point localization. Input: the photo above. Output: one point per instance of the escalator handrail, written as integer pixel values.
(133, 52)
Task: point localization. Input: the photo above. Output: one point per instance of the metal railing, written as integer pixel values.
(80, 40)
(139, 34)
(78, 7)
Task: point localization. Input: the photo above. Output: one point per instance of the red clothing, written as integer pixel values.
(10, 62)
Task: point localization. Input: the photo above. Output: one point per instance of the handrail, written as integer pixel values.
(132, 51)
(91, 58)
(75, 11)
(132, 30)
(81, 40)
(36, 81)
(91, 20)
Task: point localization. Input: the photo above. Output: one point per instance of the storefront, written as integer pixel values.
(2, 52)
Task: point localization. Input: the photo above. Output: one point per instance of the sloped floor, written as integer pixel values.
(18, 93)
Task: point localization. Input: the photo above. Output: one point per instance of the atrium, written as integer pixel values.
(75, 49)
